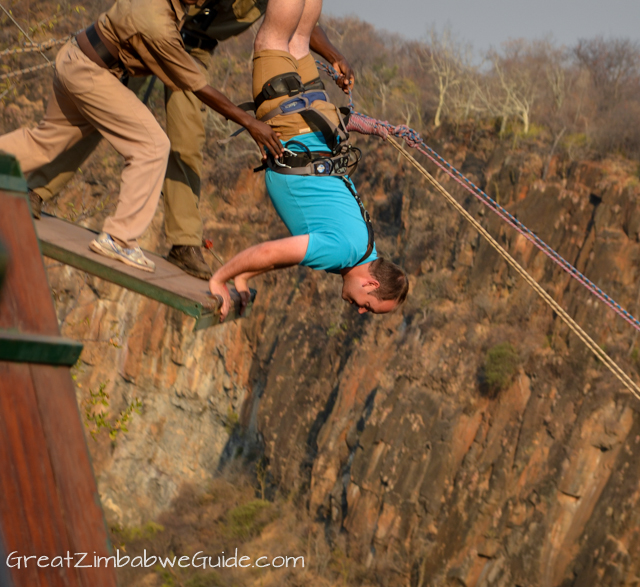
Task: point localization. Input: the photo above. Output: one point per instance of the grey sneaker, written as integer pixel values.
(105, 245)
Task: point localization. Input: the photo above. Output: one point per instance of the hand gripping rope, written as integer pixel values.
(364, 124)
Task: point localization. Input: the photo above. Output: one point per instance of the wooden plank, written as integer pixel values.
(72, 470)
(69, 243)
(4, 262)
(30, 511)
(24, 304)
(34, 348)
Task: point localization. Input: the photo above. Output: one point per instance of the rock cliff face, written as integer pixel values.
(382, 425)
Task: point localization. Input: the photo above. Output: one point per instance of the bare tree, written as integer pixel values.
(446, 61)
(611, 63)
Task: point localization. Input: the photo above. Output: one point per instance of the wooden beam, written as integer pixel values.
(69, 243)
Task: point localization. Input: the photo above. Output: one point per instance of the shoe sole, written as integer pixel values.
(194, 273)
(96, 247)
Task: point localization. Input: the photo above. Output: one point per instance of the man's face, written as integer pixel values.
(357, 292)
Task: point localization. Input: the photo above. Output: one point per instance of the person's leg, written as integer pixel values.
(182, 219)
(132, 130)
(185, 128)
(280, 23)
(299, 43)
(60, 129)
(49, 180)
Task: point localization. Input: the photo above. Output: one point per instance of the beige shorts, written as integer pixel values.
(268, 64)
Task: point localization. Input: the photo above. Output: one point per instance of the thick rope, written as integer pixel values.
(20, 72)
(33, 48)
(367, 125)
(569, 321)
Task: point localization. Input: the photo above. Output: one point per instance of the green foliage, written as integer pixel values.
(95, 418)
(231, 423)
(130, 533)
(335, 329)
(249, 519)
(500, 365)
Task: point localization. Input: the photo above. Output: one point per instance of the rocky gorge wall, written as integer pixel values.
(380, 426)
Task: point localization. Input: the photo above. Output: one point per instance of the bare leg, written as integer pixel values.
(288, 25)
(279, 25)
(299, 43)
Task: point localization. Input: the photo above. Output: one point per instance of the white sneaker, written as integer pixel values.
(105, 245)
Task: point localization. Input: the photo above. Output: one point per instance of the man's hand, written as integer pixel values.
(262, 133)
(343, 69)
(220, 290)
(265, 136)
(320, 43)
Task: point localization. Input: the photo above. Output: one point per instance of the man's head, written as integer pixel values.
(377, 287)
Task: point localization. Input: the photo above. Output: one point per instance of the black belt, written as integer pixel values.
(192, 41)
(100, 48)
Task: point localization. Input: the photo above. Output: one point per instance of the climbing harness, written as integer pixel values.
(339, 162)
(364, 124)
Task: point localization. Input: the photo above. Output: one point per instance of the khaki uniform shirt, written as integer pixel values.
(222, 19)
(147, 34)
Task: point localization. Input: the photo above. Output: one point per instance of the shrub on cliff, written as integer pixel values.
(247, 520)
(500, 365)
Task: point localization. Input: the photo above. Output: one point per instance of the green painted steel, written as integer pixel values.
(150, 290)
(11, 177)
(37, 348)
(205, 317)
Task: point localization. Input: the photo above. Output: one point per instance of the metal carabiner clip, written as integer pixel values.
(285, 150)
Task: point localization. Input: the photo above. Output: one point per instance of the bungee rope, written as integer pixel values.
(31, 48)
(364, 124)
(24, 71)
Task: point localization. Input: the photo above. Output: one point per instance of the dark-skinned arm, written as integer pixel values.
(262, 133)
(253, 261)
(321, 44)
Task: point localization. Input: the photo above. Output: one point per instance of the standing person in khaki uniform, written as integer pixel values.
(138, 37)
(204, 27)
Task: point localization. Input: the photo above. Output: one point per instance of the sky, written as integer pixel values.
(487, 23)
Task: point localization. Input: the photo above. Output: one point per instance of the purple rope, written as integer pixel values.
(366, 125)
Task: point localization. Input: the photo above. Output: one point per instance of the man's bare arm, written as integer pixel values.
(262, 133)
(321, 44)
(254, 261)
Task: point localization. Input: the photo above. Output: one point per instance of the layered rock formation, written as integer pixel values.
(380, 425)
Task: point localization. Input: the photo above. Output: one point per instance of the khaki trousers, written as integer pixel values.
(181, 189)
(87, 97)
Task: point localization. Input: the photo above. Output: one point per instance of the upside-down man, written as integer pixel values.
(308, 185)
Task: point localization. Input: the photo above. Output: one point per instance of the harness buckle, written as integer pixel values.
(288, 152)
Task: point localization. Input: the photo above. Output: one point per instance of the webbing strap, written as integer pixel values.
(367, 221)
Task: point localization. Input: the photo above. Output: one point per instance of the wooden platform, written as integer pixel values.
(69, 244)
(49, 501)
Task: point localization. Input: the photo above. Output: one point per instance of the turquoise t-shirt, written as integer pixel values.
(324, 208)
